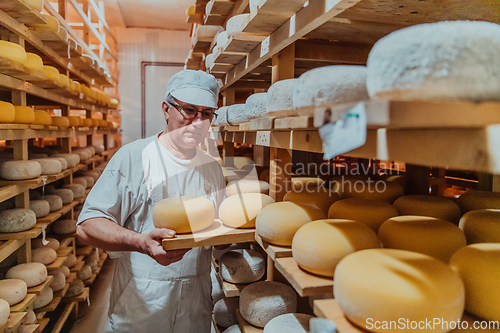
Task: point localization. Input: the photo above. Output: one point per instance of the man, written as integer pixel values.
(154, 290)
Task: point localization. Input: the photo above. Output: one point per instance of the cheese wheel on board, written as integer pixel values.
(81, 181)
(12, 51)
(34, 62)
(246, 186)
(71, 86)
(366, 188)
(24, 115)
(63, 226)
(64, 163)
(36, 5)
(84, 273)
(77, 86)
(43, 299)
(368, 212)
(289, 323)
(329, 85)
(280, 96)
(7, 112)
(41, 208)
(319, 246)
(59, 281)
(33, 273)
(52, 243)
(481, 226)
(236, 23)
(55, 202)
(72, 159)
(320, 197)
(428, 205)
(222, 116)
(184, 214)
(428, 235)
(277, 223)
(65, 270)
(90, 181)
(50, 166)
(209, 60)
(4, 312)
(13, 290)
(242, 266)
(42, 118)
(87, 122)
(17, 219)
(61, 122)
(479, 268)
(78, 190)
(51, 73)
(256, 105)
(93, 174)
(387, 284)
(472, 200)
(70, 260)
(92, 263)
(83, 154)
(458, 57)
(225, 311)
(30, 317)
(236, 114)
(301, 183)
(75, 288)
(240, 211)
(44, 255)
(65, 194)
(63, 80)
(52, 23)
(262, 301)
(99, 149)
(20, 170)
(74, 121)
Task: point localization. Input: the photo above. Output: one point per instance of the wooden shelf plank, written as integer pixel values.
(22, 12)
(42, 323)
(245, 326)
(14, 321)
(49, 219)
(273, 251)
(329, 309)
(38, 289)
(90, 280)
(66, 242)
(78, 266)
(30, 328)
(56, 264)
(9, 247)
(80, 298)
(24, 304)
(51, 306)
(230, 289)
(64, 251)
(71, 277)
(32, 233)
(63, 317)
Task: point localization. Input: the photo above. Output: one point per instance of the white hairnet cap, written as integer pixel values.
(194, 87)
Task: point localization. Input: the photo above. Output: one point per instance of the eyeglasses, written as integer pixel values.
(191, 113)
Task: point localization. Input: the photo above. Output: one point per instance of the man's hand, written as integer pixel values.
(153, 247)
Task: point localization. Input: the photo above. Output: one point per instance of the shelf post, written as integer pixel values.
(229, 96)
(283, 64)
(280, 172)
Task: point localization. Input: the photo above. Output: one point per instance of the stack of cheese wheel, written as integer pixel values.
(256, 105)
(473, 200)
(479, 268)
(44, 255)
(63, 226)
(242, 266)
(225, 311)
(236, 24)
(65, 194)
(184, 214)
(361, 187)
(17, 220)
(240, 211)
(20, 170)
(428, 205)
(13, 290)
(320, 197)
(24, 115)
(85, 273)
(319, 246)
(481, 226)
(51, 73)
(280, 96)
(62, 122)
(34, 62)
(7, 112)
(41, 208)
(33, 273)
(289, 323)
(42, 118)
(50, 166)
(12, 51)
(428, 235)
(278, 222)
(246, 186)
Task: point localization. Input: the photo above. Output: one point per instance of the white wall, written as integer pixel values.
(134, 46)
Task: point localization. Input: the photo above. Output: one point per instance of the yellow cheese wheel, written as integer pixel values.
(367, 188)
(74, 121)
(246, 186)
(24, 115)
(473, 200)
(7, 112)
(12, 51)
(428, 205)
(71, 85)
(85, 90)
(340, 184)
(301, 183)
(320, 197)
(34, 62)
(277, 223)
(184, 214)
(481, 226)
(77, 87)
(319, 246)
(63, 80)
(52, 23)
(87, 122)
(191, 10)
(378, 286)
(371, 213)
(37, 5)
(42, 118)
(62, 122)
(428, 235)
(95, 122)
(240, 211)
(51, 73)
(479, 268)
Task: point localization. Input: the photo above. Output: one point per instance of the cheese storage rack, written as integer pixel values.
(88, 57)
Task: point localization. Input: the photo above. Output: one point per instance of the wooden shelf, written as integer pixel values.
(230, 289)
(90, 280)
(329, 309)
(56, 264)
(51, 306)
(67, 242)
(31, 233)
(63, 317)
(218, 12)
(13, 132)
(245, 326)
(78, 266)
(24, 304)
(42, 323)
(80, 298)
(71, 277)
(9, 247)
(64, 251)
(14, 321)
(38, 289)
(22, 12)
(52, 217)
(273, 251)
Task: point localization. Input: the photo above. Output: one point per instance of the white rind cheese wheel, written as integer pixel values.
(81, 180)
(428, 205)
(52, 243)
(428, 235)
(85, 273)
(71, 159)
(242, 266)
(256, 105)
(92, 263)
(277, 223)
(236, 114)
(43, 299)
(50, 166)
(360, 187)
(34, 62)
(289, 323)
(184, 214)
(55, 202)
(444, 60)
(233, 329)
(44, 255)
(320, 197)
(473, 200)
(90, 181)
(386, 285)
(65, 270)
(481, 226)
(218, 253)
(42, 118)
(20, 170)
(98, 149)
(327, 86)
(225, 311)
(13, 290)
(236, 23)
(12, 51)
(7, 112)
(319, 246)
(4, 312)
(17, 219)
(83, 154)
(64, 226)
(222, 116)
(280, 96)
(66, 195)
(30, 317)
(262, 301)
(209, 60)
(240, 211)
(33, 273)
(64, 163)
(75, 288)
(370, 213)
(479, 268)
(59, 281)
(93, 174)
(41, 208)
(24, 115)
(70, 260)
(78, 190)
(247, 186)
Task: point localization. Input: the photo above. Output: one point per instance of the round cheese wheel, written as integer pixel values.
(387, 284)
(52, 243)
(51, 73)
(83, 154)
(78, 190)
(481, 226)
(184, 214)
(13, 290)
(86, 92)
(64, 163)
(50, 166)
(242, 266)
(256, 105)
(42, 118)
(30, 317)
(33, 273)
(222, 116)
(74, 121)
(55, 202)
(17, 219)
(98, 149)
(70, 260)
(34, 62)
(12, 51)
(41, 208)
(320, 197)
(75, 288)
(4, 312)
(218, 253)
(479, 268)
(80, 180)
(59, 281)
(44, 255)
(63, 226)
(92, 174)
(85, 273)
(280, 96)
(319, 246)
(65, 270)
(289, 323)
(43, 299)
(444, 60)
(52, 23)
(71, 159)
(262, 301)
(233, 329)
(24, 115)
(63, 80)
(472, 200)
(61, 122)
(370, 213)
(225, 311)
(7, 112)
(366, 188)
(65, 194)
(90, 181)
(321, 325)
(78, 89)
(277, 223)
(302, 183)
(87, 122)
(71, 87)
(236, 114)
(240, 211)
(236, 23)
(428, 235)
(222, 40)
(92, 263)
(428, 205)
(329, 85)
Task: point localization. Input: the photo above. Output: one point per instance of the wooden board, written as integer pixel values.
(244, 126)
(329, 309)
(63, 317)
(90, 280)
(78, 266)
(230, 289)
(9, 247)
(52, 217)
(80, 298)
(30, 328)
(84, 250)
(243, 42)
(32, 233)
(71, 277)
(271, 15)
(64, 251)
(273, 251)
(216, 234)
(14, 321)
(245, 326)
(56, 264)
(298, 122)
(67, 242)
(24, 304)
(264, 123)
(19, 71)
(38, 289)
(51, 306)
(304, 283)
(42, 323)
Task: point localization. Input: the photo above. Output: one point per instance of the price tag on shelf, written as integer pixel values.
(344, 134)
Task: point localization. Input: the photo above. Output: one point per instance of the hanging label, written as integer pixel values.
(345, 134)
(44, 241)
